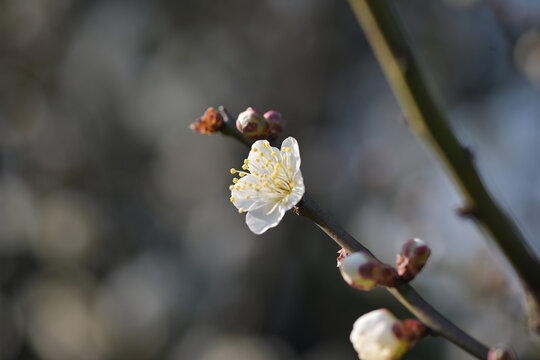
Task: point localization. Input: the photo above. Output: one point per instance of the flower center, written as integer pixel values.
(273, 173)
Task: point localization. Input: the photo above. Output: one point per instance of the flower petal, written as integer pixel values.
(296, 194)
(258, 157)
(258, 220)
(294, 154)
(243, 193)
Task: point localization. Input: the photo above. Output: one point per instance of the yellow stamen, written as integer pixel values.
(231, 187)
(241, 210)
(232, 199)
(255, 150)
(233, 171)
(242, 174)
(245, 167)
(235, 180)
(248, 196)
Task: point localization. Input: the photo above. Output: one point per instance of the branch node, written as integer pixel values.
(467, 211)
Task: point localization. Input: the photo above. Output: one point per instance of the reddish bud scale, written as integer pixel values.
(361, 271)
(409, 330)
(415, 331)
(382, 274)
(397, 330)
(412, 258)
(367, 270)
(209, 123)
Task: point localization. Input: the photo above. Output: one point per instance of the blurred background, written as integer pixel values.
(117, 237)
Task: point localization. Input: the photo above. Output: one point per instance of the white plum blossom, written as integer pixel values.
(273, 185)
(374, 336)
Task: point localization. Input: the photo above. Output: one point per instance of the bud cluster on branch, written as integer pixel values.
(256, 127)
(363, 272)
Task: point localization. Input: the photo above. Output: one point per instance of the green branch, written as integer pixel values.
(382, 28)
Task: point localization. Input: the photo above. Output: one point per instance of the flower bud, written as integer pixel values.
(252, 124)
(275, 123)
(378, 335)
(363, 272)
(209, 123)
(501, 353)
(412, 258)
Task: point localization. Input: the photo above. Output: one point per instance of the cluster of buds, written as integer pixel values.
(379, 335)
(209, 123)
(260, 127)
(361, 271)
(412, 258)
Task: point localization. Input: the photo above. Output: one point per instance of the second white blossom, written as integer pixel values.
(374, 338)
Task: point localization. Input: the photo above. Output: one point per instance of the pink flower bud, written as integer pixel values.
(253, 125)
(361, 271)
(275, 123)
(412, 258)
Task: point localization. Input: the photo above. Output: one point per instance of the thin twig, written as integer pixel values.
(382, 28)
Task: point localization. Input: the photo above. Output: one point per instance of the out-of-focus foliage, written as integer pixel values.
(117, 239)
